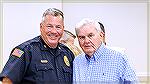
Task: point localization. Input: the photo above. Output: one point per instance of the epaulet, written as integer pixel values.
(63, 46)
(34, 40)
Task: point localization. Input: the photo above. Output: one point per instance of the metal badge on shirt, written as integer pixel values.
(66, 61)
(44, 61)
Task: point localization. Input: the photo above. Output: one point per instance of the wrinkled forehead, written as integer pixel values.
(87, 28)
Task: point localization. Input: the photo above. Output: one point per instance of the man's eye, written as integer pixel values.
(90, 35)
(58, 27)
(49, 26)
(81, 37)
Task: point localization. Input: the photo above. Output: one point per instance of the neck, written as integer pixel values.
(89, 55)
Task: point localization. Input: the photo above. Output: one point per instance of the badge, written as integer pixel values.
(17, 52)
(44, 61)
(66, 61)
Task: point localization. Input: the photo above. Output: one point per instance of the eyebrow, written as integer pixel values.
(87, 34)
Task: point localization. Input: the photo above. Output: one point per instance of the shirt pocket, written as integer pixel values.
(44, 72)
(111, 76)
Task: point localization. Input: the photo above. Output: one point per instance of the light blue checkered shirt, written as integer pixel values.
(105, 66)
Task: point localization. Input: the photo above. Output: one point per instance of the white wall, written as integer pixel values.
(125, 25)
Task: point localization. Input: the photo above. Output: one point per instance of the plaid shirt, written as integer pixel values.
(105, 66)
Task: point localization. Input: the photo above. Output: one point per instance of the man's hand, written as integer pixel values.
(6, 81)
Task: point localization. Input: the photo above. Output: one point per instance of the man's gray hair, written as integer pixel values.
(87, 21)
(53, 12)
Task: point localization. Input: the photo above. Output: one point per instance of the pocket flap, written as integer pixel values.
(44, 67)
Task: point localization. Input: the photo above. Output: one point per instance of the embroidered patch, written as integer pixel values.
(17, 52)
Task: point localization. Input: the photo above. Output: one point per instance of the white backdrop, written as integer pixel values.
(125, 25)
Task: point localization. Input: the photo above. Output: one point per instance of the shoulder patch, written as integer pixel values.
(17, 52)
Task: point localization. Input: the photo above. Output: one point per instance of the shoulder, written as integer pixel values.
(121, 50)
(113, 54)
(118, 55)
(28, 43)
(80, 57)
(64, 47)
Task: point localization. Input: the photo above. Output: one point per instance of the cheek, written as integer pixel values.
(60, 33)
(97, 41)
(81, 44)
(42, 30)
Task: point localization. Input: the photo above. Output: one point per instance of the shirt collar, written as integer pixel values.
(99, 52)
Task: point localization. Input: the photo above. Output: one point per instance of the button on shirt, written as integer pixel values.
(105, 66)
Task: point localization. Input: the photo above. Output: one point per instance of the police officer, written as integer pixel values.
(41, 60)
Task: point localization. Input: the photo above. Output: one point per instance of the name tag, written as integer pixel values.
(44, 61)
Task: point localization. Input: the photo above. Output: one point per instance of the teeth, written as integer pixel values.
(52, 35)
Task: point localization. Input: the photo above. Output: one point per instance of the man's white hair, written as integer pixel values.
(87, 21)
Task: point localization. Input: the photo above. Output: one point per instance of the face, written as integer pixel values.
(71, 40)
(51, 30)
(89, 39)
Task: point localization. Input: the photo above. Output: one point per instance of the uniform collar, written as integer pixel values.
(44, 46)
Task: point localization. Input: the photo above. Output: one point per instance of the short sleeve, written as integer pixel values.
(128, 72)
(15, 67)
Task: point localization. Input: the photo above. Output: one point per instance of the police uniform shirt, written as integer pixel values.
(33, 62)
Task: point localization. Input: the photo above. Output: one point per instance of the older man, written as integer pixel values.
(99, 64)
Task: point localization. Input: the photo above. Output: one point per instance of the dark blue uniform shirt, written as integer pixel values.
(36, 63)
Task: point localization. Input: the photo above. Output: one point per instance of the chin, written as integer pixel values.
(52, 41)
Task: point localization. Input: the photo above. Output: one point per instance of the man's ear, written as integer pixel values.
(41, 25)
(102, 34)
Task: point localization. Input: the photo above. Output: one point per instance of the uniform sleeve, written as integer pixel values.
(14, 69)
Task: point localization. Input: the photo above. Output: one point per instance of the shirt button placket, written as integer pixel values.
(89, 71)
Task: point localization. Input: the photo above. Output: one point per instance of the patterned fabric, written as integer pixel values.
(105, 66)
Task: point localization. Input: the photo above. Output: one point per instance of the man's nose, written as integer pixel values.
(54, 29)
(87, 39)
